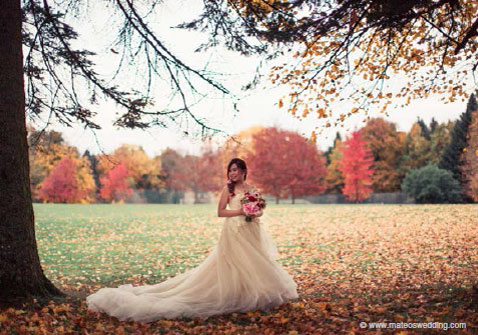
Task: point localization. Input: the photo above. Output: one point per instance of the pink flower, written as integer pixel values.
(250, 208)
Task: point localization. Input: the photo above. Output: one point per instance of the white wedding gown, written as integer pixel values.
(240, 274)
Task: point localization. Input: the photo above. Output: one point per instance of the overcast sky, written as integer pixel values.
(257, 107)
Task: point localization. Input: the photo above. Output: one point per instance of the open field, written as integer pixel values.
(352, 263)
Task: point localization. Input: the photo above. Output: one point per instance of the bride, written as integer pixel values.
(240, 274)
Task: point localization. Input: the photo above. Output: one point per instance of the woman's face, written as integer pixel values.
(236, 174)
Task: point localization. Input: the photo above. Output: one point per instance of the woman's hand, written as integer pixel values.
(256, 215)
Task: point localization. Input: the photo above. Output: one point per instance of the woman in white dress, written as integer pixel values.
(240, 274)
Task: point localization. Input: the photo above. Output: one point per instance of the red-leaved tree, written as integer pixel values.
(115, 186)
(61, 185)
(356, 168)
(282, 163)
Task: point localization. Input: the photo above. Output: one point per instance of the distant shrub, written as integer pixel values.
(430, 184)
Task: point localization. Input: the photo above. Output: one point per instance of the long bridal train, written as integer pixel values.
(240, 274)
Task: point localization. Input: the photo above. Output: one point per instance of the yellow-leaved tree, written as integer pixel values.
(354, 50)
(145, 171)
(47, 149)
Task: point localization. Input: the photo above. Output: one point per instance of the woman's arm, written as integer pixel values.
(221, 208)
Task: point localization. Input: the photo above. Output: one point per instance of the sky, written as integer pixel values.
(256, 107)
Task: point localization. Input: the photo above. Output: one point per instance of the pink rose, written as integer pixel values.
(250, 208)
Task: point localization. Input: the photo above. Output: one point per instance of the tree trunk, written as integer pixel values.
(293, 200)
(277, 200)
(21, 275)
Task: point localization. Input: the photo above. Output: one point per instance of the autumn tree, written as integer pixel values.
(417, 149)
(284, 164)
(440, 138)
(197, 173)
(145, 171)
(61, 185)
(356, 167)
(307, 170)
(387, 147)
(328, 152)
(116, 184)
(171, 162)
(204, 173)
(46, 150)
(353, 48)
(335, 178)
(469, 159)
(237, 145)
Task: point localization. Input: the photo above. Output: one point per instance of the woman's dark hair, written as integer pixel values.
(241, 165)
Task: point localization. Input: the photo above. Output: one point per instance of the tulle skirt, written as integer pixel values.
(240, 274)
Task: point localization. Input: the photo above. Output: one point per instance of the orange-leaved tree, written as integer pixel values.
(237, 146)
(387, 146)
(469, 157)
(335, 178)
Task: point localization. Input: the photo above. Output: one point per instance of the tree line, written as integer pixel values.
(434, 162)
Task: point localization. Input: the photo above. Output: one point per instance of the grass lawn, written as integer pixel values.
(352, 264)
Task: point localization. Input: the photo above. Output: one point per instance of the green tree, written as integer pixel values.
(425, 131)
(433, 124)
(451, 159)
(430, 184)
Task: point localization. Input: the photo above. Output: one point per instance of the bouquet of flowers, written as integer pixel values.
(252, 203)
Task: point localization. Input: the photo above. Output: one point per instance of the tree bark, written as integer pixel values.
(21, 275)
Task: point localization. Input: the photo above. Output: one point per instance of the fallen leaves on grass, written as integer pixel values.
(352, 264)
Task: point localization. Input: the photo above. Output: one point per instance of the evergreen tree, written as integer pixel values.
(433, 125)
(425, 131)
(330, 149)
(94, 168)
(451, 157)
